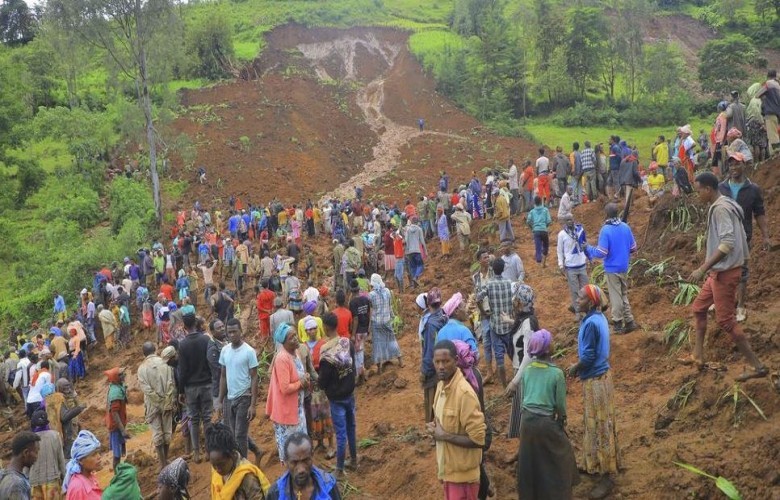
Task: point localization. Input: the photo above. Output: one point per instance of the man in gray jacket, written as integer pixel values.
(727, 251)
(415, 246)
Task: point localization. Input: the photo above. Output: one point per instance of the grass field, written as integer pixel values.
(643, 138)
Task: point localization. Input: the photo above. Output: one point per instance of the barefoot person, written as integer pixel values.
(156, 380)
(599, 441)
(727, 252)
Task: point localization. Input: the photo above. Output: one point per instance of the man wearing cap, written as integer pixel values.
(415, 246)
(727, 252)
(155, 378)
(436, 320)
(572, 258)
(751, 200)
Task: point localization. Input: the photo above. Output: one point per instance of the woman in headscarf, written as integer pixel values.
(116, 408)
(289, 379)
(233, 477)
(687, 151)
(525, 324)
(80, 481)
(310, 308)
(737, 145)
(546, 467)
(173, 481)
(755, 129)
(599, 442)
(47, 472)
(124, 484)
(455, 328)
(124, 326)
(183, 285)
(385, 346)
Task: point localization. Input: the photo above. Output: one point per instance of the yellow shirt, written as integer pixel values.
(661, 152)
(282, 217)
(457, 408)
(656, 181)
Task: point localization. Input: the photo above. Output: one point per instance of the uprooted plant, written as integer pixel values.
(680, 398)
(686, 294)
(723, 484)
(733, 394)
(676, 334)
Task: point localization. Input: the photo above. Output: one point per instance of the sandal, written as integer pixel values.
(689, 360)
(774, 379)
(715, 366)
(755, 373)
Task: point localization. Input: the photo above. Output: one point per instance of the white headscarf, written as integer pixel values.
(376, 282)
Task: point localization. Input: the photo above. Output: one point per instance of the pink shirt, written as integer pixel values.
(282, 403)
(83, 487)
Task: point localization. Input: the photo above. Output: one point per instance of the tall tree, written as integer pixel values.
(586, 37)
(663, 69)
(721, 63)
(17, 23)
(125, 29)
(631, 14)
(548, 33)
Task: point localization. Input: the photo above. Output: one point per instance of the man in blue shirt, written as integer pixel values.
(615, 246)
(59, 307)
(239, 382)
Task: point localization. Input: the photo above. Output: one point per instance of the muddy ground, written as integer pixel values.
(361, 128)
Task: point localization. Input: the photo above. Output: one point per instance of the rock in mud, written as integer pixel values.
(400, 383)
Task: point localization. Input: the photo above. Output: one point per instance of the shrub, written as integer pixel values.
(210, 44)
(129, 199)
(67, 198)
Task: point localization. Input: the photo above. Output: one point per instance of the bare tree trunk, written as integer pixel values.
(146, 103)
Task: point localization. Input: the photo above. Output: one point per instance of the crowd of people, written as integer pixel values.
(318, 317)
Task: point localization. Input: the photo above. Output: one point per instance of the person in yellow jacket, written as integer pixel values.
(232, 476)
(661, 156)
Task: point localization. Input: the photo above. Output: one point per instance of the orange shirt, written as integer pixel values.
(265, 303)
(528, 178)
(344, 316)
(167, 290)
(410, 210)
(398, 247)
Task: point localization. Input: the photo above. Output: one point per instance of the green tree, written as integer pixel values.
(210, 45)
(128, 30)
(29, 176)
(585, 45)
(17, 23)
(722, 62)
(663, 68)
(14, 96)
(546, 31)
(128, 200)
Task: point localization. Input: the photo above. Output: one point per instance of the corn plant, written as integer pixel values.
(701, 240)
(680, 219)
(723, 484)
(658, 270)
(398, 321)
(597, 276)
(367, 443)
(676, 334)
(734, 393)
(680, 398)
(687, 293)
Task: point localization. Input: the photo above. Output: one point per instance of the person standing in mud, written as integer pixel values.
(599, 442)
(156, 380)
(727, 253)
(751, 200)
(616, 244)
(458, 427)
(415, 247)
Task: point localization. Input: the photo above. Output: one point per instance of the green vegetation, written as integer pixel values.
(723, 484)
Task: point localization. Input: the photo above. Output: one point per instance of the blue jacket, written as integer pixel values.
(593, 345)
(616, 244)
(435, 323)
(455, 330)
(539, 219)
(325, 487)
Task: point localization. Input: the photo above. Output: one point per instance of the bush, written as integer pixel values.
(210, 44)
(583, 115)
(129, 200)
(30, 177)
(67, 198)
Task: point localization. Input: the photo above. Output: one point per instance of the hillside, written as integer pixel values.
(363, 127)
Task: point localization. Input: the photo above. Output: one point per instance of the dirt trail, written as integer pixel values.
(371, 99)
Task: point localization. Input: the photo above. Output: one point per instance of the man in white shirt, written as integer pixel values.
(564, 209)
(311, 293)
(572, 260)
(514, 188)
(513, 265)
